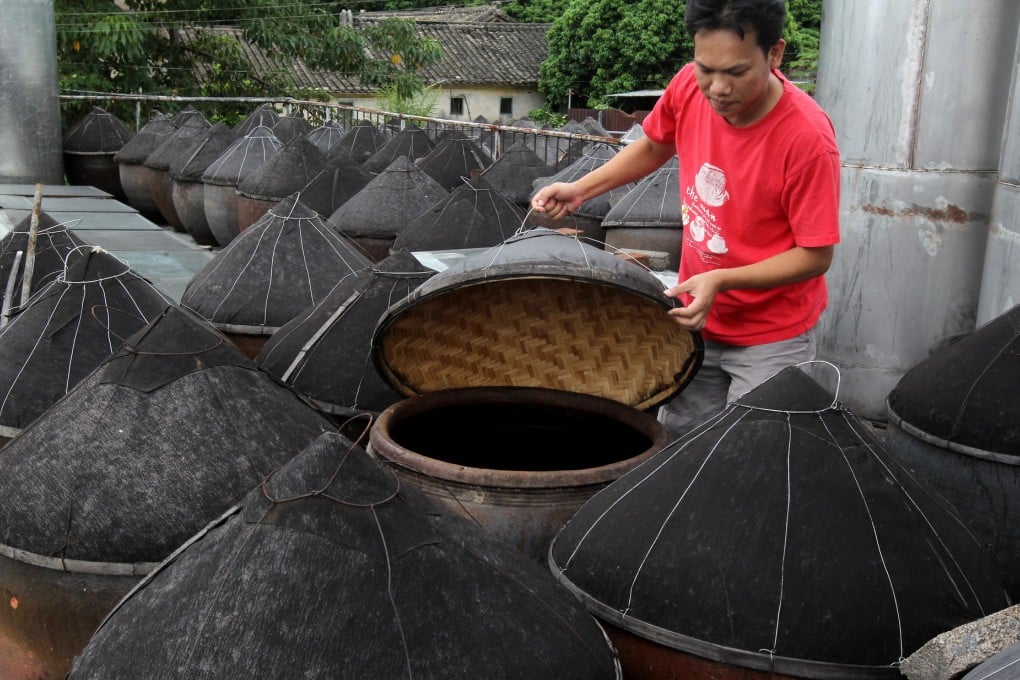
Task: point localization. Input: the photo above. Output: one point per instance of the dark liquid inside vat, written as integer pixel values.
(519, 437)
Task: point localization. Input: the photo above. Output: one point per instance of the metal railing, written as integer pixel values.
(557, 148)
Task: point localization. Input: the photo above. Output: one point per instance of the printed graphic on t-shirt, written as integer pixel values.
(702, 230)
(711, 185)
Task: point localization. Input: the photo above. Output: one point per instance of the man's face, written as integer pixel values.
(735, 74)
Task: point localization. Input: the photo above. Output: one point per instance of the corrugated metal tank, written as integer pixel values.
(30, 137)
(917, 92)
(1000, 283)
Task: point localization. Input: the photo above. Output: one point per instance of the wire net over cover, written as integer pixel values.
(288, 260)
(474, 215)
(161, 439)
(653, 202)
(190, 127)
(327, 135)
(326, 352)
(455, 159)
(968, 393)
(145, 141)
(515, 171)
(593, 156)
(395, 196)
(412, 143)
(540, 310)
(332, 569)
(243, 157)
(339, 179)
(289, 128)
(201, 152)
(53, 243)
(286, 171)
(361, 141)
(265, 116)
(99, 132)
(778, 535)
(68, 329)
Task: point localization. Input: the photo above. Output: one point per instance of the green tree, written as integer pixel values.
(535, 11)
(190, 48)
(598, 47)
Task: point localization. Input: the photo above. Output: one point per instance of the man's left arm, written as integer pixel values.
(790, 266)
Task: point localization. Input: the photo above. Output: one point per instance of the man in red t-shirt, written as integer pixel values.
(759, 191)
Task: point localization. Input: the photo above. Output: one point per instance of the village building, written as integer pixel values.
(489, 69)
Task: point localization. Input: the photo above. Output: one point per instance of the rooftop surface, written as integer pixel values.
(168, 259)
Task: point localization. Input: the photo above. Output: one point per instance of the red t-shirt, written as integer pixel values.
(748, 193)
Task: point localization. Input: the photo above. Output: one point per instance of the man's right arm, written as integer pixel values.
(636, 160)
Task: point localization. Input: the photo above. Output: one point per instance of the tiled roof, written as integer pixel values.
(487, 53)
(474, 53)
(448, 13)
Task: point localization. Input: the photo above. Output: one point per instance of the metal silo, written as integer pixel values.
(917, 90)
(30, 137)
(1000, 285)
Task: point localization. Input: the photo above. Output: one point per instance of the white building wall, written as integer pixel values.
(485, 101)
(477, 101)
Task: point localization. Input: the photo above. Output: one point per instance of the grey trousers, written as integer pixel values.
(729, 371)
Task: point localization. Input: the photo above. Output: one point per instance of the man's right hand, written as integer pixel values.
(557, 200)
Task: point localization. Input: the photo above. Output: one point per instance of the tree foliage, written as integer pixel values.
(600, 47)
(535, 11)
(190, 48)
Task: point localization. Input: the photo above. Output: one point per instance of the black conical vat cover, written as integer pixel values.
(201, 152)
(411, 143)
(594, 156)
(593, 127)
(572, 149)
(455, 160)
(264, 116)
(285, 172)
(145, 141)
(192, 126)
(492, 219)
(332, 569)
(160, 440)
(243, 157)
(653, 202)
(778, 535)
(338, 180)
(327, 135)
(326, 352)
(360, 142)
(396, 196)
(514, 173)
(53, 243)
(635, 133)
(288, 260)
(448, 225)
(967, 393)
(289, 128)
(98, 132)
(67, 330)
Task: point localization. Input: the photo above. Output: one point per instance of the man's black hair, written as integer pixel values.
(764, 17)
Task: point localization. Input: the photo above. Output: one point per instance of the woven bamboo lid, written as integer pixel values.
(540, 310)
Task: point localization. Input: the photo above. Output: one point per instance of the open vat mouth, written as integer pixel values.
(519, 437)
(517, 430)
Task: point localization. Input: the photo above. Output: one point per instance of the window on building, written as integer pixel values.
(457, 106)
(506, 106)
